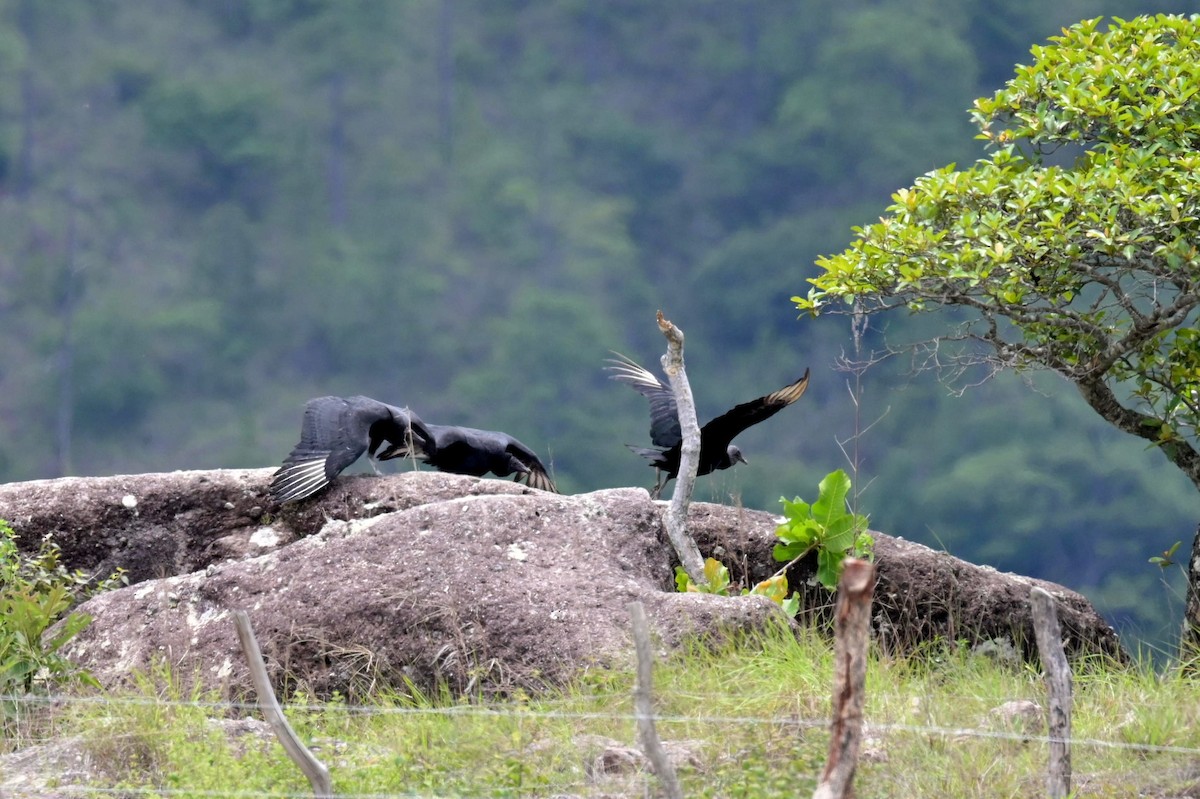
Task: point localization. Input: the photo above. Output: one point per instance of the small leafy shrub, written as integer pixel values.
(36, 590)
(717, 576)
(825, 526)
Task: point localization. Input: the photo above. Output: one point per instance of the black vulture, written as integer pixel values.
(716, 448)
(465, 450)
(335, 433)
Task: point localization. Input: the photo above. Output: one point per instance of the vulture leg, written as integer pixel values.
(659, 484)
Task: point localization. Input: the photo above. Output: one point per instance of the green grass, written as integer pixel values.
(750, 716)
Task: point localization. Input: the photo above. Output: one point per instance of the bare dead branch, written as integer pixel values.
(676, 518)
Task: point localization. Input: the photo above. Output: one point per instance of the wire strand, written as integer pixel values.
(627, 718)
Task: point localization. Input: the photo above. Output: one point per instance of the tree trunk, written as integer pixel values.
(445, 80)
(1103, 401)
(314, 769)
(24, 177)
(643, 704)
(1189, 639)
(853, 619)
(1098, 395)
(1058, 687)
(64, 416)
(335, 172)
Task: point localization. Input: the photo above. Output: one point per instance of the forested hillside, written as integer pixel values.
(212, 211)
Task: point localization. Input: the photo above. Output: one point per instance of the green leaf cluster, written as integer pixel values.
(1075, 244)
(825, 526)
(1167, 558)
(716, 576)
(36, 591)
(716, 579)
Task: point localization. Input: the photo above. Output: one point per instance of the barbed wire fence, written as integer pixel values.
(869, 728)
(1056, 743)
(873, 730)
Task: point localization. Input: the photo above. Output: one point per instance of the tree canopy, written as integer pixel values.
(1075, 245)
(1072, 248)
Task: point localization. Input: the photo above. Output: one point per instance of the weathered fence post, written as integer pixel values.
(1058, 684)
(643, 706)
(318, 775)
(852, 618)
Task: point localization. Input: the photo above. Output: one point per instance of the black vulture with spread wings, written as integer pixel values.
(465, 450)
(336, 431)
(717, 450)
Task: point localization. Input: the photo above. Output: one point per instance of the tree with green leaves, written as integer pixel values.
(1075, 246)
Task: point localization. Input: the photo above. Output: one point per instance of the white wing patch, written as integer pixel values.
(630, 372)
(299, 480)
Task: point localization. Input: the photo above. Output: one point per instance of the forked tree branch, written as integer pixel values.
(689, 460)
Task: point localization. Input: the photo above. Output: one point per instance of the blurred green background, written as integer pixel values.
(212, 210)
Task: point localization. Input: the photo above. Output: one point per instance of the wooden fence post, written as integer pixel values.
(1058, 684)
(318, 775)
(643, 707)
(852, 618)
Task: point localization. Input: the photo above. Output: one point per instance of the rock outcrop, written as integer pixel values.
(442, 579)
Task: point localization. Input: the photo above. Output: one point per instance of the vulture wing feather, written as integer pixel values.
(719, 432)
(664, 412)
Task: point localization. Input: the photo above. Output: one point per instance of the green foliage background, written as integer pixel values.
(214, 211)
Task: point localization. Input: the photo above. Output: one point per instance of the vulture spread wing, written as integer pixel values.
(719, 432)
(535, 471)
(336, 431)
(716, 437)
(664, 413)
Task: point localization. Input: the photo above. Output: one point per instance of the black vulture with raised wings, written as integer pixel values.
(336, 431)
(465, 450)
(717, 450)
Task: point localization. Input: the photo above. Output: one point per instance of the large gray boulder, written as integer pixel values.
(440, 579)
